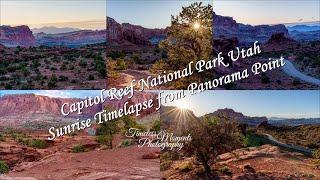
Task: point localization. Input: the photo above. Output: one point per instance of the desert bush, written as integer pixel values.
(127, 142)
(83, 63)
(212, 137)
(316, 153)
(226, 170)
(91, 77)
(156, 126)
(63, 78)
(4, 168)
(105, 140)
(121, 64)
(253, 140)
(185, 166)
(78, 148)
(2, 138)
(38, 143)
(158, 66)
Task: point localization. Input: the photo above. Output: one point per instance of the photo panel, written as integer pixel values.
(150, 40)
(53, 44)
(230, 134)
(67, 134)
(287, 34)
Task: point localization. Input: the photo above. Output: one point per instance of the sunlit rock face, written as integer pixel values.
(135, 34)
(16, 36)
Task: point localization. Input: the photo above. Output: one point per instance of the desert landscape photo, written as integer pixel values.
(281, 30)
(99, 152)
(52, 44)
(151, 38)
(244, 135)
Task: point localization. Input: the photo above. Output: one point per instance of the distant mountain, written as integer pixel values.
(293, 122)
(132, 34)
(227, 27)
(53, 30)
(23, 36)
(16, 36)
(72, 39)
(304, 28)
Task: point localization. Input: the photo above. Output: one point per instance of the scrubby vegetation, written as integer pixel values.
(50, 67)
(78, 148)
(305, 135)
(4, 168)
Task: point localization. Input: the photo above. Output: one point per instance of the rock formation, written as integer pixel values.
(239, 117)
(16, 36)
(128, 33)
(227, 27)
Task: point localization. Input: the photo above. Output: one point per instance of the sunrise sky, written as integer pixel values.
(84, 14)
(283, 104)
(269, 12)
(157, 13)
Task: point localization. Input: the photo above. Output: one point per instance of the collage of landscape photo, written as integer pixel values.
(56, 54)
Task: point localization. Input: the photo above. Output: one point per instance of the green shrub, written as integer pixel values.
(185, 166)
(127, 142)
(105, 140)
(253, 140)
(226, 170)
(121, 64)
(38, 143)
(316, 153)
(78, 148)
(4, 168)
(2, 138)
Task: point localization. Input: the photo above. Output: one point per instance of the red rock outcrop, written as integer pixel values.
(227, 27)
(278, 42)
(239, 117)
(16, 36)
(138, 35)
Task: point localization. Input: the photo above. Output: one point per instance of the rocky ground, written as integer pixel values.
(59, 162)
(264, 162)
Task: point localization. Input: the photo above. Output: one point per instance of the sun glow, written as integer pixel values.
(183, 105)
(196, 25)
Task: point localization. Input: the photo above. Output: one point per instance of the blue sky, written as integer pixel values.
(269, 12)
(157, 13)
(37, 13)
(147, 13)
(270, 103)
